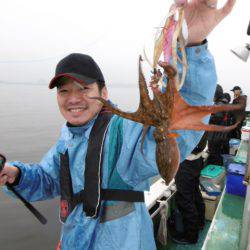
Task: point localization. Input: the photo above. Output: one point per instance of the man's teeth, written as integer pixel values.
(76, 110)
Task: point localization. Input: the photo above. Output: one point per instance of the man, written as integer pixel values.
(241, 99)
(217, 139)
(228, 122)
(237, 92)
(190, 206)
(188, 197)
(96, 165)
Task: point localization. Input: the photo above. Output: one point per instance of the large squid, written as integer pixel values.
(168, 112)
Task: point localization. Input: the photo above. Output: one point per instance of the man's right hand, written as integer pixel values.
(8, 174)
(202, 17)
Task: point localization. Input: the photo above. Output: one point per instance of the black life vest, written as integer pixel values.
(92, 194)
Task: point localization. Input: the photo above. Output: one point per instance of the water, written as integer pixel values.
(30, 121)
(30, 124)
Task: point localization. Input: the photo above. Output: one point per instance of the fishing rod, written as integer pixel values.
(31, 208)
(248, 29)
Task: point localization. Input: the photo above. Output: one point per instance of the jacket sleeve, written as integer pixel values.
(135, 166)
(39, 181)
(199, 89)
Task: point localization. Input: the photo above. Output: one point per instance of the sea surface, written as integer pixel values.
(30, 124)
(30, 121)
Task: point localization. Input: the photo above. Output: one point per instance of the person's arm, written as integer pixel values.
(34, 181)
(202, 17)
(198, 89)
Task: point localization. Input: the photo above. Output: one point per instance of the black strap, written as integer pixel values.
(65, 177)
(122, 195)
(112, 195)
(93, 163)
(66, 204)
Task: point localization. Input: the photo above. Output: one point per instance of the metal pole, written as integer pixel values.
(245, 230)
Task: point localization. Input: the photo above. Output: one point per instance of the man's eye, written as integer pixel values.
(63, 91)
(84, 89)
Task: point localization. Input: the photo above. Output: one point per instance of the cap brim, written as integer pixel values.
(75, 77)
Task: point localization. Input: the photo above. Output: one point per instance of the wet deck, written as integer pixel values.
(223, 232)
(226, 228)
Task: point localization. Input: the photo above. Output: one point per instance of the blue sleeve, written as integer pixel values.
(199, 89)
(135, 167)
(201, 79)
(39, 181)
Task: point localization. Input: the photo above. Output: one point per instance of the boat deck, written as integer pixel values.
(223, 232)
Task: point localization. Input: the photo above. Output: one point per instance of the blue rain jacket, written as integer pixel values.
(135, 230)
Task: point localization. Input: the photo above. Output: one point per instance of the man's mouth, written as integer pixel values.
(76, 110)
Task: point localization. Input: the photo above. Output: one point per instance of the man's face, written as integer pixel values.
(236, 93)
(74, 104)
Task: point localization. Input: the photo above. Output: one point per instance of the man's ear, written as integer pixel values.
(104, 93)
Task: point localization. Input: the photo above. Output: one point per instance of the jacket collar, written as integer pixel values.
(81, 130)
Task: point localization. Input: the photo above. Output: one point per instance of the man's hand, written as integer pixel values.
(8, 174)
(202, 17)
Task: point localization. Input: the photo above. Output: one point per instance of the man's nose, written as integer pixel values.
(76, 97)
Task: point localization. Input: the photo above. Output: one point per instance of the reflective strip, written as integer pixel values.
(120, 209)
(99, 173)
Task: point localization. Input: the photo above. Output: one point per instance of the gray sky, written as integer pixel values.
(36, 34)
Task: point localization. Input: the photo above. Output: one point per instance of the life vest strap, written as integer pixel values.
(113, 195)
(122, 195)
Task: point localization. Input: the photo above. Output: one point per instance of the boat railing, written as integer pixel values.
(158, 196)
(245, 231)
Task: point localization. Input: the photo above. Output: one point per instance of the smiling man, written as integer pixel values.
(78, 78)
(96, 166)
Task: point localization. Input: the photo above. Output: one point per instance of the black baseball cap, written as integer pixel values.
(236, 88)
(79, 67)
